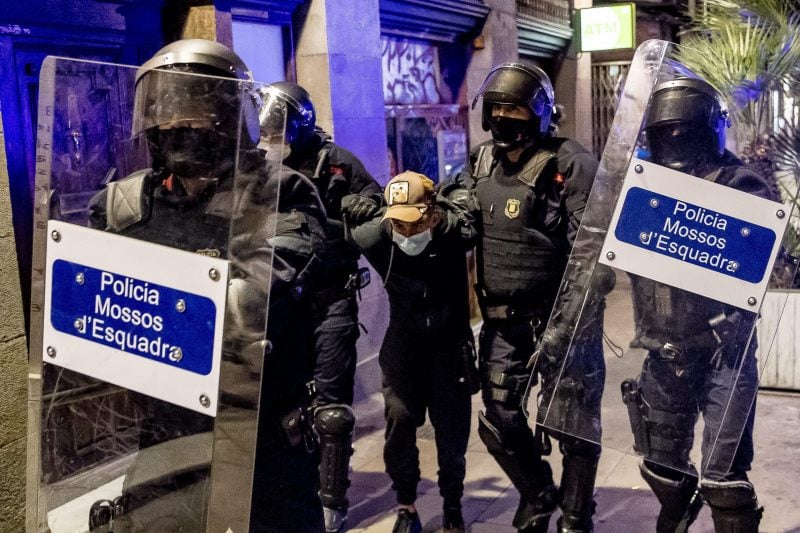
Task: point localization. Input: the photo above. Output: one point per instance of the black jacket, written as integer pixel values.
(335, 172)
(268, 222)
(427, 292)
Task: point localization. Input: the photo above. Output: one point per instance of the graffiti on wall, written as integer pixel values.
(411, 73)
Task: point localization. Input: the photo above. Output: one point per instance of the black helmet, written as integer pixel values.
(518, 84)
(289, 102)
(685, 124)
(192, 101)
(165, 94)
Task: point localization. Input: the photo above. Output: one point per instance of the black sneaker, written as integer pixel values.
(453, 522)
(407, 522)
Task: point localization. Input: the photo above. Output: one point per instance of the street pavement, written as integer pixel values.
(624, 502)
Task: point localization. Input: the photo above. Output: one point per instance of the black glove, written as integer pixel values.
(551, 350)
(460, 197)
(725, 328)
(357, 209)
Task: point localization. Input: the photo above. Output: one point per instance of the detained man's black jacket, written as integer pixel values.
(427, 292)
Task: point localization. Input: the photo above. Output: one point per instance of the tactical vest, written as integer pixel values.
(524, 246)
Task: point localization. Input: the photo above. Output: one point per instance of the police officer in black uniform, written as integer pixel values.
(698, 354)
(210, 191)
(532, 190)
(335, 172)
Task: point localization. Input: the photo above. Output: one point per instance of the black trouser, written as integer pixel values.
(723, 393)
(335, 335)
(505, 349)
(420, 376)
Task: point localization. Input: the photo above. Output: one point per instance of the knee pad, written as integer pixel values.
(334, 424)
(734, 507)
(334, 419)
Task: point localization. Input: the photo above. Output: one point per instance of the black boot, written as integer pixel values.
(679, 498)
(520, 458)
(577, 494)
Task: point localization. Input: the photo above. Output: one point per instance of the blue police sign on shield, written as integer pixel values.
(694, 234)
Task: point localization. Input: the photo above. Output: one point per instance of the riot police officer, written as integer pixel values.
(210, 191)
(532, 189)
(335, 172)
(698, 356)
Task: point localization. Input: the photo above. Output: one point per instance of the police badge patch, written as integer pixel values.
(398, 193)
(512, 208)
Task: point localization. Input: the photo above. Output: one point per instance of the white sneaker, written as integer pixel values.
(334, 518)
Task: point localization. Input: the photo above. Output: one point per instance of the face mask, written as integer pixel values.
(413, 245)
(275, 152)
(509, 132)
(188, 152)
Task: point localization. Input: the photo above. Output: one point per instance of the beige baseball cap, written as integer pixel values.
(408, 195)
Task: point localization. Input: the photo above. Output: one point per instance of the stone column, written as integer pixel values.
(573, 86)
(202, 23)
(13, 362)
(339, 63)
(496, 44)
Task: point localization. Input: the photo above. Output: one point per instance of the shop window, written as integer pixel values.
(426, 131)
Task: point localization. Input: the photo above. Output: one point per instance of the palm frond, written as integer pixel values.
(773, 12)
(786, 143)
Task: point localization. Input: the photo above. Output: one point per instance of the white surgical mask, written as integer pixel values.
(413, 245)
(275, 152)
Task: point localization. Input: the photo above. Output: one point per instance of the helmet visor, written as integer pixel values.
(678, 146)
(272, 114)
(169, 99)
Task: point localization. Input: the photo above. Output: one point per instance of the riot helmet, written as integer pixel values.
(287, 112)
(190, 111)
(686, 124)
(522, 85)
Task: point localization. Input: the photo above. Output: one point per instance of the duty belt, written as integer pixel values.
(505, 312)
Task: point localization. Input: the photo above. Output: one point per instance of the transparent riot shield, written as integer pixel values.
(674, 253)
(156, 244)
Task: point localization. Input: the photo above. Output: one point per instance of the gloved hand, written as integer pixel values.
(551, 349)
(725, 326)
(460, 197)
(464, 198)
(357, 208)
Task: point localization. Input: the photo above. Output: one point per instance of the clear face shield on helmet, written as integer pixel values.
(190, 121)
(281, 112)
(685, 127)
(272, 118)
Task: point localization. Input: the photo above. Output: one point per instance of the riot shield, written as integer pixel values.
(156, 219)
(676, 247)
